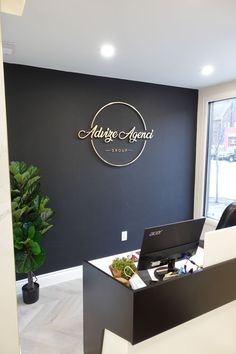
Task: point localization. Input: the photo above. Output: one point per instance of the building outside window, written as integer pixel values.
(220, 184)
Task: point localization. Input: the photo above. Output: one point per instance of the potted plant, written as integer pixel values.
(122, 269)
(31, 219)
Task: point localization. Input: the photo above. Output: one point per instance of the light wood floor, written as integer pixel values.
(54, 324)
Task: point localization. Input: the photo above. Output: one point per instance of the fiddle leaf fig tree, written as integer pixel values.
(31, 218)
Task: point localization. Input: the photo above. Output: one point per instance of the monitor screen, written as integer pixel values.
(165, 244)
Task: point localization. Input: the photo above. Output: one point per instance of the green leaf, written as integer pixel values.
(18, 245)
(25, 227)
(18, 233)
(17, 167)
(33, 171)
(46, 214)
(36, 202)
(25, 176)
(31, 231)
(18, 237)
(35, 248)
(39, 259)
(33, 180)
(30, 193)
(43, 203)
(19, 179)
(17, 199)
(15, 193)
(14, 206)
(38, 236)
(18, 213)
(46, 228)
(27, 262)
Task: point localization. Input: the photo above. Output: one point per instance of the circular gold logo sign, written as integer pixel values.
(118, 134)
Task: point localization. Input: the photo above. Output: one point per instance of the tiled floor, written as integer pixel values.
(54, 324)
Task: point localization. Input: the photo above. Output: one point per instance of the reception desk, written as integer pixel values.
(136, 316)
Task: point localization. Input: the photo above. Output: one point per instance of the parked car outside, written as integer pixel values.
(221, 154)
(232, 156)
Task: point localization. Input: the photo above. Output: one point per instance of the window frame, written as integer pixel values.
(206, 96)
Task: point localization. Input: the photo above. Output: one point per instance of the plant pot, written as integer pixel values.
(30, 295)
(117, 275)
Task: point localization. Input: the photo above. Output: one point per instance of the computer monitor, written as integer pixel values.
(165, 244)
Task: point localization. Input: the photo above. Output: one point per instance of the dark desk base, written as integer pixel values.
(141, 314)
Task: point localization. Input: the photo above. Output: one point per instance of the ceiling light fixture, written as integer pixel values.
(207, 70)
(107, 51)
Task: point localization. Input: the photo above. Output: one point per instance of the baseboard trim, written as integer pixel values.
(53, 278)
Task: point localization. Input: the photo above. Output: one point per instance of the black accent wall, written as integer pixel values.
(94, 202)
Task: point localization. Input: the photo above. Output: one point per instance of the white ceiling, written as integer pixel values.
(158, 41)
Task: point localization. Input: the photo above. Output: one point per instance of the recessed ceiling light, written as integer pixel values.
(207, 70)
(107, 50)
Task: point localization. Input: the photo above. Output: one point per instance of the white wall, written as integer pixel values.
(8, 310)
(211, 333)
(9, 340)
(206, 95)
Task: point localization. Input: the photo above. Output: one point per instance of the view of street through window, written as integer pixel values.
(226, 187)
(221, 166)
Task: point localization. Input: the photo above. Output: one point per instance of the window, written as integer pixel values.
(221, 157)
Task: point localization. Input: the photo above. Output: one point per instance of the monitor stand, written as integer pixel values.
(161, 271)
